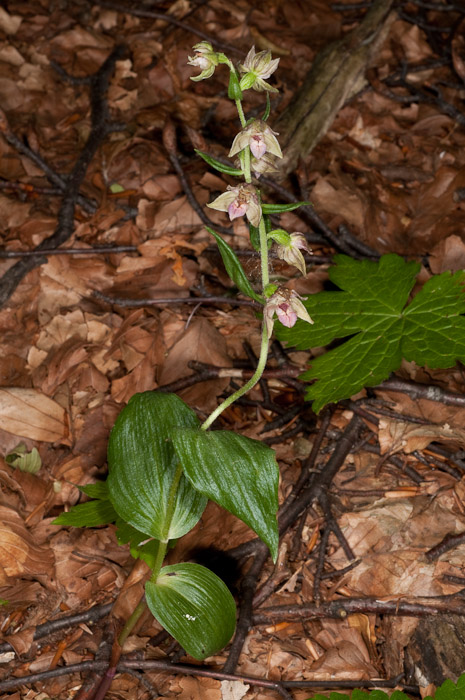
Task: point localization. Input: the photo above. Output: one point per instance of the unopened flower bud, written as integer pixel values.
(256, 69)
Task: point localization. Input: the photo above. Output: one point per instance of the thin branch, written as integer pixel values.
(151, 14)
(100, 128)
(92, 615)
(169, 142)
(136, 303)
(340, 609)
(98, 250)
(422, 391)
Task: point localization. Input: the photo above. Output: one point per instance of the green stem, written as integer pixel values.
(132, 620)
(264, 344)
(159, 557)
(244, 389)
(246, 165)
(264, 253)
(240, 112)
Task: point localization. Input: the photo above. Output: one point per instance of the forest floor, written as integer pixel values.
(125, 306)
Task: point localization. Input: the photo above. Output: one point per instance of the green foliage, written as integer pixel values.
(195, 606)
(236, 472)
(218, 165)
(280, 208)
(372, 308)
(447, 691)
(146, 484)
(234, 267)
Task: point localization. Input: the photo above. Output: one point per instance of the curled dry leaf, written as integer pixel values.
(396, 436)
(20, 555)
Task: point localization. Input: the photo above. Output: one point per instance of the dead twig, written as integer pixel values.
(101, 126)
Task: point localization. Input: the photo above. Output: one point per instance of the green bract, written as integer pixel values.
(234, 267)
(372, 308)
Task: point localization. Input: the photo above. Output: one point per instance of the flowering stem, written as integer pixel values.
(264, 253)
(246, 165)
(240, 112)
(244, 389)
(264, 344)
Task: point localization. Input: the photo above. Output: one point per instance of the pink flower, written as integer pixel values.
(238, 201)
(260, 139)
(286, 304)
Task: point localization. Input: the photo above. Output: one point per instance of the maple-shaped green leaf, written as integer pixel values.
(372, 308)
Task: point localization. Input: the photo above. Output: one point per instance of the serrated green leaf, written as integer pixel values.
(372, 309)
(236, 472)
(194, 606)
(143, 467)
(218, 165)
(88, 514)
(279, 208)
(234, 267)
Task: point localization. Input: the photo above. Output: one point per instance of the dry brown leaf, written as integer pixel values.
(31, 414)
(397, 436)
(20, 555)
(233, 690)
(202, 343)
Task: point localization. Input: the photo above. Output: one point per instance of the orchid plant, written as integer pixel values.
(163, 463)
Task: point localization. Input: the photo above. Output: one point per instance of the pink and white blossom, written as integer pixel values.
(238, 201)
(286, 304)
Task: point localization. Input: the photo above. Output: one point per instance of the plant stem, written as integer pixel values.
(240, 112)
(264, 344)
(132, 620)
(246, 165)
(244, 389)
(264, 254)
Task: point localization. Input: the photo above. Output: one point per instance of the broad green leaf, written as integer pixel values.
(88, 514)
(372, 308)
(146, 484)
(279, 208)
(139, 546)
(194, 606)
(234, 267)
(218, 165)
(97, 490)
(236, 472)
